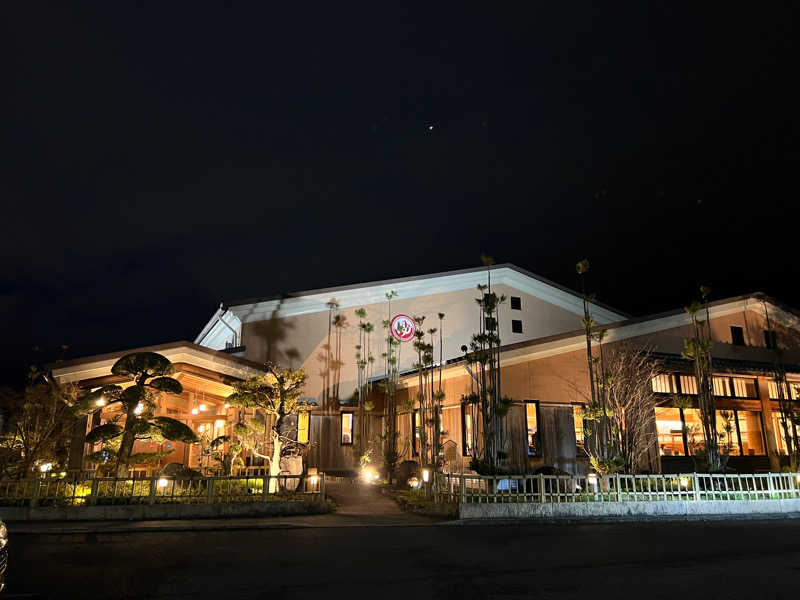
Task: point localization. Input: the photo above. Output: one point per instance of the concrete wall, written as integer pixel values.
(630, 510)
(161, 511)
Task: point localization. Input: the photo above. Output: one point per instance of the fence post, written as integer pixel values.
(93, 492)
(696, 486)
(463, 490)
(265, 479)
(210, 490)
(541, 488)
(36, 491)
(770, 486)
(616, 483)
(322, 487)
(153, 487)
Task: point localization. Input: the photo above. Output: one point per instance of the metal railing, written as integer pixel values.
(615, 488)
(89, 491)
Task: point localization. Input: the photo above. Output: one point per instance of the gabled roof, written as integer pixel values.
(90, 367)
(374, 292)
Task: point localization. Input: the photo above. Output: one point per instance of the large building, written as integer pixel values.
(543, 361)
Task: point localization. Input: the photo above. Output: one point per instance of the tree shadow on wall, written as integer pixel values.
(274, 332)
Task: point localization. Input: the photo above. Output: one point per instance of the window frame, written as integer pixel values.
(515, 300)
(414, 438)
(352, 427)
(737, 335)
(464, 414)
(735, 412)
(538, 429)
(514, 323)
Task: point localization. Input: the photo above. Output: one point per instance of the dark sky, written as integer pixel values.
(158, 158)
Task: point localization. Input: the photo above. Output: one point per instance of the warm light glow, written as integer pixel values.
(101, 401)
(219, 423)
(413, 482)
(313, 480)
(227, 405)
(368, 474)
(426, 475)
(162, 483)
(684, 482)
(194, 411)
(203, 407)
(591, 478)
(44, 468)
(201, 428)
(138, 410)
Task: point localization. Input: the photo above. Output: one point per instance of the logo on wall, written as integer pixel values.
(403, 328)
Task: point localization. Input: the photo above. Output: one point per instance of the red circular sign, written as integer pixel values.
(403, 328)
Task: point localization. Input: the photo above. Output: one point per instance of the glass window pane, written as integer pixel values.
(780, 431)
(727, 438)
(533, 429)
(688, 384)
(577, 416)
(721, 387)
(467, 446)
(662, 384)
(750, 430)
(744, 388)
(670, 431)
(347, 428)
(794, 389)
(694, 430)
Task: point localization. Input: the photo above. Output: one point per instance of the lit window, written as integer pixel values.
(302, 427)
(516, 326)
(347, 428)
(694, 430)
(663, 384)
(688, 384)
(727, 436)
(721, 387)
(577, 417)
(415, 432)
(531, 417)
(744, 388)
(791, 389)
(466, 420)
(779, 426)
(670, 431)
(750, 432)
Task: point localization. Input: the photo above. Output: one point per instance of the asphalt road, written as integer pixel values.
(751, 559)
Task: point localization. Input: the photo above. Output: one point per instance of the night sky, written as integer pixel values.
(159, 158)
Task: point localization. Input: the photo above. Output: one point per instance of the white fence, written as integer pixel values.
(615, 488)
(87, 491)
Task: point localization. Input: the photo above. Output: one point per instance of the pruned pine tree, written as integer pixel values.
(698, 348)
(364, 361)
(483, 364)
(393, 450)
(136, 420)
(424, 361)
(601, 442)
(276, 396)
